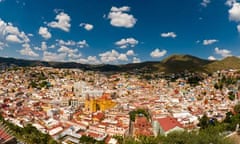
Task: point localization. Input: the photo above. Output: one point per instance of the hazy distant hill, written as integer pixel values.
(171, 64)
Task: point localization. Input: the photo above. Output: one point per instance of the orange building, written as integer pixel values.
(99, 104)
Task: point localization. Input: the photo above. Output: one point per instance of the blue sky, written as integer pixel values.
(118, 31)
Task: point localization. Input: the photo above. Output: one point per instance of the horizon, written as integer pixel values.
(120, 64)
(118, 32)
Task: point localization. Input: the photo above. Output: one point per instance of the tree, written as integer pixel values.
(204, 122)
(237, 108)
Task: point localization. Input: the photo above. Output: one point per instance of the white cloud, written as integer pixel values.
(157, 53)
(63, 22)
(230, 2)
(52, 46)
(27, 51)
(89, 60)
(125, 43)
(2, 45)
(8, 29)
(43, 31)
(30, 35)
(130, 53)
(13, 38)
(74, 56)
(109, 56)
(205, 3)
(87, 26)
(169, 34)
(66, 43)
(120, 18)
(223, 52)
(64, 49)
(234, 12)
(44, 46)
(212, 58)
(209, 42)
(238, 28)
(136, 60)
(82, 44)
(49, 56)
(123, 57)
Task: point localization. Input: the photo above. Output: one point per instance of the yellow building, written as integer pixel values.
(101, 104)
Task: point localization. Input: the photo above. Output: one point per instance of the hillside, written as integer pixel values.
(227, 63)
(184, 62)
(171, 64)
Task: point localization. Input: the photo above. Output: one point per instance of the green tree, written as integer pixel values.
(237, 108)
(204, 122)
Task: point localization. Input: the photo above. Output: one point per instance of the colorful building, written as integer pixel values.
(142, 127)
(103, 103)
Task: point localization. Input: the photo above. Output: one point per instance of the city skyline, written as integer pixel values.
(118, 32)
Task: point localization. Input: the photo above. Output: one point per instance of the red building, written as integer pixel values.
(142, 127)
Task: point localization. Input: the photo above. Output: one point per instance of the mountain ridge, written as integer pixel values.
(173, 64)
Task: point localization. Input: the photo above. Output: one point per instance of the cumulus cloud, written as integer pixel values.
(212, 58)
(230, 2)
(87, 26)
(130, 53)
(64, 49)
(13, 38)
(209, 42)
(120, 18)
(44, 46)
(62, 22)
(109, 56)
(43, 31)
(123, 57)
(125, 43)
(136, 60)
(82, 44)
(12, 33)
(157, 53)
(49, 56)
(66, 43)
(234, 12)
(223, 52)
(112, 56)
(205, 3)
(169, 34)
(27, 51)
(2, 45)
(74, 56)
(89, 60)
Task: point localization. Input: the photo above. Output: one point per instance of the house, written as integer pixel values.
(5, 135)
(142, 127)
(166, 125)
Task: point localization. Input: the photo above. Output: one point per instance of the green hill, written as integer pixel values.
(227, 63)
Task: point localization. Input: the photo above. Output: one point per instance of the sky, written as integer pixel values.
(118, 31)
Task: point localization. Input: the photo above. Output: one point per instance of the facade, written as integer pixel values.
(142, 127)
(166, 125)
(99, 104)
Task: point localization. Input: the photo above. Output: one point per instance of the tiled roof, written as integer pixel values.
(168, 123)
